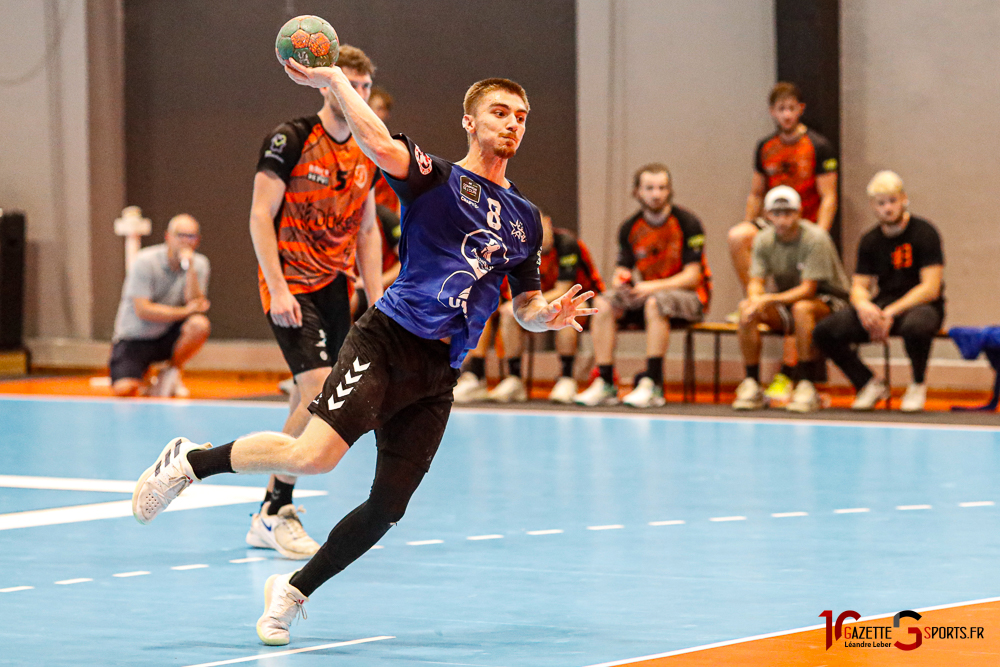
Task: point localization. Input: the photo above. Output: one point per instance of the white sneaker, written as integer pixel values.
(749, 395)
(805, 398)
(914, 398)
(645, 395)
(511, 390)
(869, 396)
(563, 391)
(181, 390)
(470, 388)
(282, 532)
(164, 480)
(286, 386)
(282, 603)
(598, 393)
(165, 382)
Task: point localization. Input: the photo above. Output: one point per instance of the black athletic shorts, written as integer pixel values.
(388, 380)
(131, 358)
(326, 319)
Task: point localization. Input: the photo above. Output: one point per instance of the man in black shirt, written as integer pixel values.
(897, 291)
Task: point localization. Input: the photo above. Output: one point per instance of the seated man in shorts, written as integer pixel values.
(161, 316)
(661, 279)
(565, 262)
(810, 282)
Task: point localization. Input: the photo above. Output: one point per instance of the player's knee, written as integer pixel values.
(387, 508)
(651, 308)
(741, 235)
(313, 459)
(803, 310)
(197, 326)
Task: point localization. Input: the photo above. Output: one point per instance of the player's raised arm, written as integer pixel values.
(369, 131)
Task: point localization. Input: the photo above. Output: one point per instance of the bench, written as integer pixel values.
(719, 329)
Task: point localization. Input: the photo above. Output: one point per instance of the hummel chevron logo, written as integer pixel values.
(349, 379)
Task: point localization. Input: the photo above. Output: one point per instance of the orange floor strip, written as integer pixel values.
(808, 648)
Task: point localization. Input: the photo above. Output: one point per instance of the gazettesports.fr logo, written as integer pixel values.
(881, 636)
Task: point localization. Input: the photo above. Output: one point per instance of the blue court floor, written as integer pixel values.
(542, 540)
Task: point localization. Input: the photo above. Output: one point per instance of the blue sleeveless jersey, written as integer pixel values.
(460, 235)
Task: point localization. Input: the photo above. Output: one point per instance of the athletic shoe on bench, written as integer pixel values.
(164, 480)
(470, 388)
(563, 391)
(914, 398)
(869, 396)
(282, 603)
(598, 393)
(645, 395)
(805, 398)
(511, 390)
(749, 395)
(282, 532)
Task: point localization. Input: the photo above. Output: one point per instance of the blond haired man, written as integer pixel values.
(897, 290)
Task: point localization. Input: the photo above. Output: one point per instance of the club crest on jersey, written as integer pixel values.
(319, 175)
(278, 142)
(360, 176)
(484, 251)
(423, 162)
(470, 191)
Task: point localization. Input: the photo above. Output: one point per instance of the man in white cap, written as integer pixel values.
(810, 282)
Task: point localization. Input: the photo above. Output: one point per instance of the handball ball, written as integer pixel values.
(310, 40)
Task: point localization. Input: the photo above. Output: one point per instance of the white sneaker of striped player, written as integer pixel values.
(598, 393)
(164, 480)
(645, 395)
(282, 603)
(563, 391)
(470, 388)
(510, 390)
(282, 532)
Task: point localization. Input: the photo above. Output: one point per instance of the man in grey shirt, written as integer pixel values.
(810, 283)
(161, 316)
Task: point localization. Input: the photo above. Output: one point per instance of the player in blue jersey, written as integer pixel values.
(465, 228)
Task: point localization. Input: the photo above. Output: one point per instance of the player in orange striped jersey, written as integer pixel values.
(313, 213)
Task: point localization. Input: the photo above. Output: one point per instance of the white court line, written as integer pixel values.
(551, 531)
(782, 633)
(196, 497)
(782, 515)
(377, 546)
(728, 518)
(123, 575)
(485, 537)
(14, 589)
(420, 543)
(672, 522)
(852, 510)
(913, 507)
(978, 503)
(265, 656)
(196, 566)
(67, 582)
(252, 559)
(614, 526)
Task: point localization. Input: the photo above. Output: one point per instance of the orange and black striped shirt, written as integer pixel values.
(326, 187)
(796, 165)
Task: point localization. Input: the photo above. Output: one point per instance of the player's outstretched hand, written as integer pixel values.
(316, 77)
(563, 311)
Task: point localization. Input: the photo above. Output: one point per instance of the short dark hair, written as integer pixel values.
(652, 168)
(351, 57)
(783, 90)
(380, 92)
(481, 89)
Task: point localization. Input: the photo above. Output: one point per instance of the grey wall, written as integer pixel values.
(203, 87)
(684, 83)
(920, 93)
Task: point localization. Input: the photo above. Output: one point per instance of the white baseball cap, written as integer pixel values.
(782, 198)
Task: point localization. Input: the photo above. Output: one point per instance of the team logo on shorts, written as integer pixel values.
(423, 162)
(347, 385)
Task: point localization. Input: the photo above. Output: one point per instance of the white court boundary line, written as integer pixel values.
(782, 633)
(583, 414)
(265, 656)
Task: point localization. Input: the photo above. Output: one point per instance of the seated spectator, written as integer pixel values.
(161, 316)
(565, 261)
(810, 283)
(661, 279)
(897, 291)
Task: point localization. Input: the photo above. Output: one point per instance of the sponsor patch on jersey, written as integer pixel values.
(696, 241)
(830, 164)
(278, 142)
(517, 231)
(423, 162)
(470, 190)
(318, 175)
(568, 260)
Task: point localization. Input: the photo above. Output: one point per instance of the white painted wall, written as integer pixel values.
(44, 157)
